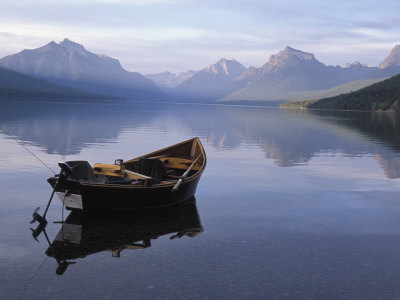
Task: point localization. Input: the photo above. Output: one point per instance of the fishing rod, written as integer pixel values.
(23, 146)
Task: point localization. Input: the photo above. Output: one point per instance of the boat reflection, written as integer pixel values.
(85, 234)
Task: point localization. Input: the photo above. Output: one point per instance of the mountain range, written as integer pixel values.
(290, 74)
(293, 71)
(69, 64)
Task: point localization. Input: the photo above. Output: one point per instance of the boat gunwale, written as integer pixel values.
(155, 186)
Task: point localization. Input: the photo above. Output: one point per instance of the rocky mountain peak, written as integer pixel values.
(226, 67)
(52, 44)
(289, 53)
(68, 44)
(287, 59)
(49, 46)
(393, 59)
(354, 64)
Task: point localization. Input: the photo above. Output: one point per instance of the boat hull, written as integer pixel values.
(89, 197)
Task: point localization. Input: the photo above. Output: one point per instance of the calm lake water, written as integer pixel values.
(293, 204)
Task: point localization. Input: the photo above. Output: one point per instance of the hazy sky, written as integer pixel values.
(151, 36)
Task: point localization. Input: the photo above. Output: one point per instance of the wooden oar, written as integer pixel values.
(180, 180)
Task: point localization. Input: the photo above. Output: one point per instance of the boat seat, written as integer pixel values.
(115, 179)
(83, 171)
(152, 167)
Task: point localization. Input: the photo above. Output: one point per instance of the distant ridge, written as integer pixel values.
(170, 80)
(337, 90)
(213, 82)
(384, 95)
(70, 64)
(14, 85)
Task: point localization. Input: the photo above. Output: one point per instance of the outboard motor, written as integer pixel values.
(66, 171)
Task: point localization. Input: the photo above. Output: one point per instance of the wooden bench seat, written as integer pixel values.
(178, 163)
(120, 171)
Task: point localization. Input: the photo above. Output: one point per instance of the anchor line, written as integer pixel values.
(22, 145)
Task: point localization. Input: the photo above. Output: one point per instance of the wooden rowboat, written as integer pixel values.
(157, 179)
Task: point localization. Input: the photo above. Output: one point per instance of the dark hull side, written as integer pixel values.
(120, 197)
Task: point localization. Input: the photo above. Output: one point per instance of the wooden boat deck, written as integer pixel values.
(176, 160)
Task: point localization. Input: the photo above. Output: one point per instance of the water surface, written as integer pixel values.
(294, 204)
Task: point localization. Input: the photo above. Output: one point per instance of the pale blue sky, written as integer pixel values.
(151, 36)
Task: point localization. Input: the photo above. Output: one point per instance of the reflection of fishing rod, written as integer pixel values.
(23, 146)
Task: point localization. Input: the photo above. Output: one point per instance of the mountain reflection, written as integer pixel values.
(288, 137)
(68, 128)
(82, 235)
(292, 137)
(381, 130)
